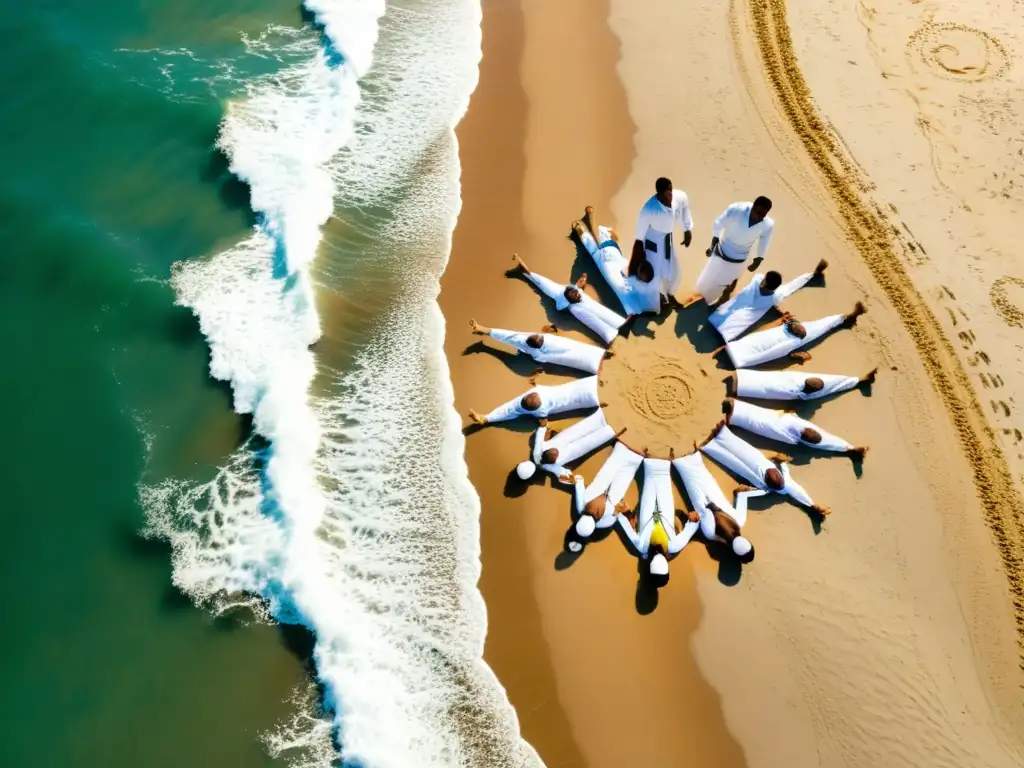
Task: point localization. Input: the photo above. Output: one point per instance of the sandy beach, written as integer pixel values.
(889, 634)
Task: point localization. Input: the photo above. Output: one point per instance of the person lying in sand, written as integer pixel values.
(552, 450)
(790, 385)
(764, 292)
(593, 314)
(785, 339)
(771, 475)
(786, 427)
(548, 347)
(718, 518)
(598, 504)
(733, 236)
(542, 401)
(637, 293)
(657, 536)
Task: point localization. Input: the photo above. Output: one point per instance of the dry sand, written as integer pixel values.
(886, 637)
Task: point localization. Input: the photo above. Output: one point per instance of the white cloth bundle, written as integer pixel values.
(612, 479)
(739, 456)
(572, 443)
(656, 502)
(636, 295)
(765, 346)
(748, 306)
(573, 395)
(789, 385)
(556, 350)
(784, 427)
(593, 314)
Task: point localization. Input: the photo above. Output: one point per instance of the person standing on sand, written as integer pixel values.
(654, 228)
(733, 236)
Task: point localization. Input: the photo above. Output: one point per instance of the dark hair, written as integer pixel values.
(774, 480)
(528, 401)
(813, 384)
(772, 280)
(573, 294)
(645, 272)
(535, 340)
(663, 185)
(550, 456)
(763, 202)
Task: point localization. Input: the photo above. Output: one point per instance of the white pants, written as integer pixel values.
(717, 275)
(667, 272)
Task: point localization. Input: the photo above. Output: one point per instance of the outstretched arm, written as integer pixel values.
(742, 498)
(681, 539)
(631, 534)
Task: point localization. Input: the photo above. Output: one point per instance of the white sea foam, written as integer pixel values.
(356, 519)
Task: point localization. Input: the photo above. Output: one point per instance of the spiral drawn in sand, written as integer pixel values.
(662, 392)
(1009, 310)
(958, 52)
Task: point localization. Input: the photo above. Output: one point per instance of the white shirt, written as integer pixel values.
(788, 385)
(654, 215)
(773, 343)
(636, 295)
(749, 305)
(593, 314)
(613, 480)
(736, 236)
(573, 395)
(556, 350)
(739, 456)
(784, 427)
(581, 438)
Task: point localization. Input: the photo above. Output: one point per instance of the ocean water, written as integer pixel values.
(224, 233)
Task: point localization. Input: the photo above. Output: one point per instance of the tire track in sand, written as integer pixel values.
(872, 236)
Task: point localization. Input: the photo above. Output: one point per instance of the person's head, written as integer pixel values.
(530, 401)
(585, 526)
(743, 549)
(663, 191)
(811, 436)
(773, 479)
(659, 568)
(645, 272)
(535, 340)
(772, 280)
(812, 385)
(794, 327)
(725, 526)
(573, 295)
(762, 205)
(550, 456)
(525, 469)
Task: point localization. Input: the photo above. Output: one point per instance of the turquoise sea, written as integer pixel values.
(238, 528)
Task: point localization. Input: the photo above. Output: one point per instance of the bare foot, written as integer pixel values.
(742, 489)
(780, 458)
(621, 432)
(549, 328)
(476, 418)
(823, 511)
(476, 327)
(647, 454)
(582, 282)
(727, 407)
(820, 269)
(800, 357)
(608, 354)
(858, 310)
(857, 453)
(868, 378)
(519, 263)
(602, 405)
(671, 452)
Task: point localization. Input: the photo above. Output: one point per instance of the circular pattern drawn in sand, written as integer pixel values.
(957, 52)
(1008, 306)
(664, 392)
